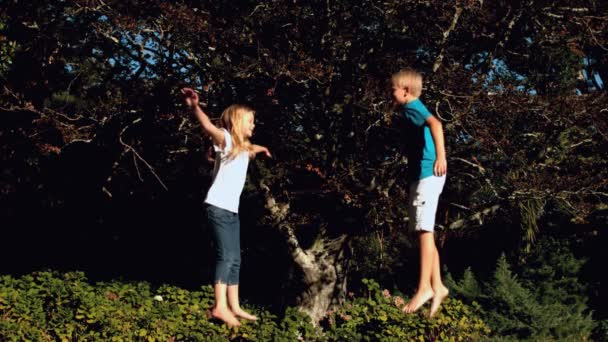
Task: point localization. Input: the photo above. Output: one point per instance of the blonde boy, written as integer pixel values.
(427, 168)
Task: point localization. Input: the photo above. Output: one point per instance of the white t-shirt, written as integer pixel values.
(228, 177)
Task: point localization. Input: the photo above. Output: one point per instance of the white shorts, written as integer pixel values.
(424, 197)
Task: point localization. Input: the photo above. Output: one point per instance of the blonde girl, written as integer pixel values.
(233, 150)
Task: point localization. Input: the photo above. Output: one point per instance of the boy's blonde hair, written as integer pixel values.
(410, 79)
(232, 120)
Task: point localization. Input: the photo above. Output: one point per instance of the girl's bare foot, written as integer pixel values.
(245, 315)
(226, 316)
(439, 296)
(419, 299)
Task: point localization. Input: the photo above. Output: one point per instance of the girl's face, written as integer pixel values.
(247, 124)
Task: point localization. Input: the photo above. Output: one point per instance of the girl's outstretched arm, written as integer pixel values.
(191, 99)
(261, 149)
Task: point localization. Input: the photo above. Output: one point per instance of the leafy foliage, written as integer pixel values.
(377, 316)
(504, 86)
(93, 134)
(546, 302)
(47, 306)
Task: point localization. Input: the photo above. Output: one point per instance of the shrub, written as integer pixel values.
(48, 306)
(546, 303)
(377, 316)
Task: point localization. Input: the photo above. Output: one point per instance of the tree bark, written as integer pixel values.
(323, 265)
(324, 278)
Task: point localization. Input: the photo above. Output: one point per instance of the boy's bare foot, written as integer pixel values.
(226, 316)
(245, 315)
(439, 296)
(419, 299)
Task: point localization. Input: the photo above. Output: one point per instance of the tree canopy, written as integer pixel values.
(94, 129)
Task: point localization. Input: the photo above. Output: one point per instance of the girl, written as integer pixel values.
(233, 151)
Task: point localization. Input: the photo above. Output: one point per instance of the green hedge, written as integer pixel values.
(378, 317)
(48, 306)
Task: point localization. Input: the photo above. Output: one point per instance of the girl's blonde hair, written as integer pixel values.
(232, 120)
(409, 78)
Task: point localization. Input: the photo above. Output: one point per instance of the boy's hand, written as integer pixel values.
(190, 97)
(440, 168)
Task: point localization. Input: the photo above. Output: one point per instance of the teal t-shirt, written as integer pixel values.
(420, 146)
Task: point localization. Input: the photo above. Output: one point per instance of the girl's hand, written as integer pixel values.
(191, 100)
(267, 153)
(258, 148)
(190, 97)
(210, 155)
(440, 168)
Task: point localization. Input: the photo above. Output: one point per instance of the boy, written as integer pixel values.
(427, 167)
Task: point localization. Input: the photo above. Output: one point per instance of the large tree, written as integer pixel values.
(518, 86)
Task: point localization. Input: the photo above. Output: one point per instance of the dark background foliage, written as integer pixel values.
(104, 171)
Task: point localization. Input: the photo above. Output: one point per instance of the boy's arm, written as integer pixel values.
(259, 149)
(441, 165)
(216, 134)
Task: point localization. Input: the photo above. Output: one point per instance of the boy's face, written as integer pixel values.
(399, 94)
(248, 125)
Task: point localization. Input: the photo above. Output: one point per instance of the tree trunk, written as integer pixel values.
(323, 264)
(324, 277)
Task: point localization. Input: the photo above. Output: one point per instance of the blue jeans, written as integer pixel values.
(226, 230)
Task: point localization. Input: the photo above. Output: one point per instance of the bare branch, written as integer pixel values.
(478, 218)
(255, 9)
(481, 169)
(129, 148)
(594, 38)
(459, 206)
(103, 188)
(510, 28)
(279, 214)
(137, 169)
(132, 149)
(446, 34)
